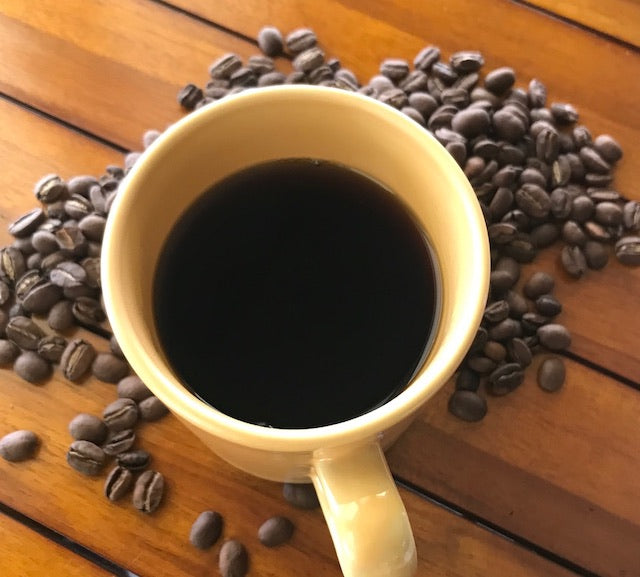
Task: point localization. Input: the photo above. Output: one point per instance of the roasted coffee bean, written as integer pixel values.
(519, 352)
(296, 77)
(608, 213)
(531, 321)
(501, 233)
(505, 330)
(70, 238)
(596, 254)
(300, 495)
(92, 226)
(496, 311)
(500, 80)
(415, 81)
(18, 445)
(532, 175)
(275, 531)
(500, 281)
(501, 202)
(152, 409)
(508, 126)
(547, 145)
(76, 359)
(426, 58)
(573, 261)
(596, 231)
(467, 405)
(608, 148)
(560, 171)
(471, 122)
(573, 233)
(440, 71)
(137, 460)
(49, 188)
(548, 305)
(533, 200)
(119, 442)
(243, 77)
(233, 560)
(417, 117)
(206, 529)
(520, 248)
(495, 351)
(551, 374)
(12, 264)
(481, 364)
(309, 59)
(118, 483)
(397, 98)
(300, 40)
(446, 136)
(81, 185)
(260, 64)
(480, 340)
(78, 207)
(5, 293)
(510, 266)
(9, 351)
(60, 317)
(627, 250)
(44, 242)
(582, 208)
(109, 368)
(86, 457)
(394, 68)
(467, 380)
(88, 311)
(458, 97)
(545, 235)
(24, 332)
(517, 304)
(561, 203)
(26, 282)
(148, 491)
(225, 66)
(121, 414)
(564, 113)
(271, 79)
(189, 96)
(270, 41)
(630, 215)
(593, 161)
(86, 427)
(27, 223)
(554, 337)
(466, 61)
(132, 387)
(51, 347)
(505, 378)
(41, 298)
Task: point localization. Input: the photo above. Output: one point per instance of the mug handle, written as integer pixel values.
(366, 517)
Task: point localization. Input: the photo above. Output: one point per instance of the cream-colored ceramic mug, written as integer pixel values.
(345, 461)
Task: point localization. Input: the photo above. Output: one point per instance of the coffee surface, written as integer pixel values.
(295, 294)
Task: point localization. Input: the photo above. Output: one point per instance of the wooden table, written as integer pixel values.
(546, 485)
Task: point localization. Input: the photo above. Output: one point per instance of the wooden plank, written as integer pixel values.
(47, 490)
(25, 553)
(617, 18)
(120, 94)
(557, 469)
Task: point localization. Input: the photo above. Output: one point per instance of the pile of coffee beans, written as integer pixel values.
(540, 177)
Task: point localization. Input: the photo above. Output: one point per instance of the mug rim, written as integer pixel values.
(368, 425)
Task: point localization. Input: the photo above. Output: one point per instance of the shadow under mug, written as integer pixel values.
(345, 461)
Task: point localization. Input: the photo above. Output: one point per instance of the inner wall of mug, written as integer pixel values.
(287, 122)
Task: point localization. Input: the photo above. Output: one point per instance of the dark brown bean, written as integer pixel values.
(76, 359)
(467, 405)
(132, 387)
(8, 351)
(152, 409)
(301, 495)
(539, 283)
(554, 337)
(573, 261)
(118, 483)
(300, 39)
(134, 460)
(51, 347)
(608, 148)
(86, 427)
(206, 529)
(627, 250)
(18, 445)
(275, 531)
(270, 40)
(60, 317)
(551, 374)
(86, 457)
(148, 491)
(109, 368)
(121, 414)
(119, 442)
(505, 378)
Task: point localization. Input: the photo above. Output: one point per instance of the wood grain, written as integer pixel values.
(25, 553)
(557, 469)
(125, 84)
(617, 18)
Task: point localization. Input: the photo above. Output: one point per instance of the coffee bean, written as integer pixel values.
(467, 405)
(225, 66)
(442, 76)
(608, 213)
(573, 261)
(60, 317)
(119, 442)
(414, 81)
(309, 59)
(24, 332)
(519, 352)
(132, 387)
(467, 380)
(18, 445)
(394, 68)
(81, 185)
(121, 414)
(596, 231)
(86, 458)
(206, 529)
(496, 311)
(501, 233)
(547, 145)
(86, 427)
(480, 340)
(301, 495)
(630, 215)
(189, 96)
(243, 77)
(495, 351)
(270, 40)
(608, 148)
(548, 305)
(51, 347)
(471, 122)
(8, 351)
(521, 248)
(76, 359)
(300, 40)
(49, 188)
(500, 80)
(564, 113)
(539, 283)
(533, 200)
(508, 126)
(415, 116)
(500, 281)
(41, 298)
(88, 311)
(628, 250)
(459, 98)
(481, 364)
(596, 254)
(426, 58)
(134, 460)
(148, 491)
(573, 233)
(152, 409)
(582, 208)
(505, 378)
(44, 242)
(551, 374)
(532, 175)
(501, 202)
(545, 235)
(517, 304)
(12, 264)
(109, 368)
(27, 223)
(466, 61)
(118, 483)
(92, 226)
(537, 94)
(554, 337)
(397, 98)
(275, 531)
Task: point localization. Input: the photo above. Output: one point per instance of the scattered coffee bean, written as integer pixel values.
(275, 531)
(18, 445)
(118, 483)
(300, 40)
(481, 364)
(539, 283)
(628, 250)
(109, 368)
(86, 457)
(554, 337)
(270, 41)
(551, 374)
(137, 460)
(27, 223)
(206, 529)
(467, 405)
(121, 414)
(32, 367)
(60, 317)
(233, 560)
(505, 378)
(49, 188)
(548, 305)
(76, 359)
(51, 347)
(148, 491)
(9, 351)
(573, 261)
(301, 495)
(119, 442)
(519, 352)
(86, 427)
(189, 96)
(596, 254)
(152, 409)
(132, 387)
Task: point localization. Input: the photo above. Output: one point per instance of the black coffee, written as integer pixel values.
(295, 294)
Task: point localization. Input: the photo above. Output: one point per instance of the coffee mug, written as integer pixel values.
(345, 461)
